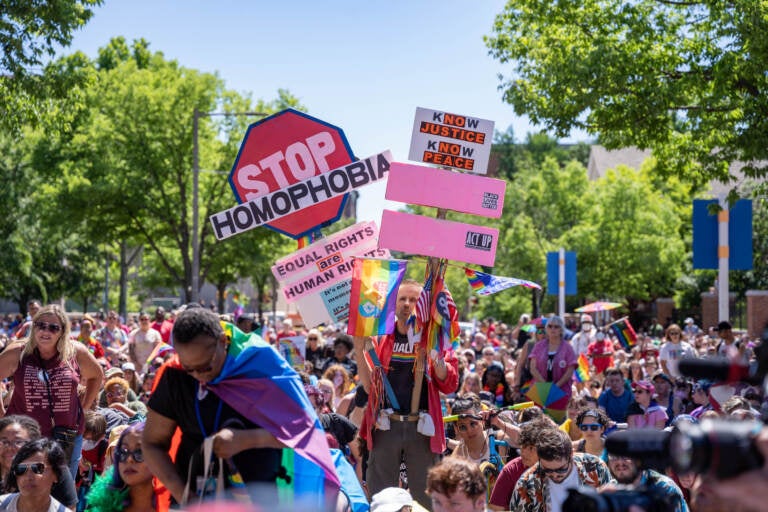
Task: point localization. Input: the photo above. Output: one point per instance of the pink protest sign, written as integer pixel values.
(328, 252)
(415, 234)
(427, 186)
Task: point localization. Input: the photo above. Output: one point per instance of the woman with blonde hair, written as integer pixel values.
(472, 384)
(342, 382)
(46, 368)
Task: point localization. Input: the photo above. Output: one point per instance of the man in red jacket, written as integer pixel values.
(399, 434)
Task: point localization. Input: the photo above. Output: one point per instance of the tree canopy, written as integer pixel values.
(685, 79)
(30, 33)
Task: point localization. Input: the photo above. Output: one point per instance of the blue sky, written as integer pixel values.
(362, 65)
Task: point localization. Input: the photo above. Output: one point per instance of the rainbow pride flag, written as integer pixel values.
(487, 284)
(623, 330)
(373, 296)
(582, 369)
(444, 329)
(258, 383)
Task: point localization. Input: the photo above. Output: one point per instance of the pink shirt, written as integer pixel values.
(564, 358)
(653, 414)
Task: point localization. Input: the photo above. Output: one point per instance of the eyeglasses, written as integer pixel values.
(37, 468)
(464, 428)
(208, 367)
(45, 326)
(557, 471)
(137, 454)
(7, 443)
(312, 338)
(594, 427)
(116, 393)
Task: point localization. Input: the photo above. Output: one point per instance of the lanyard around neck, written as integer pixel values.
(216, 420)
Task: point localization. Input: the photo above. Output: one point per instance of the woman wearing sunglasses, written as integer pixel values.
(47, 368)
(37, 466)
(592, 423)
(128, 485)
(15, 432)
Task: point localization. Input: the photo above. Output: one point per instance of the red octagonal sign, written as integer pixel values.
(284, 149)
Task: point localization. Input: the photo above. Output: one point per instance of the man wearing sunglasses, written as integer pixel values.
(544, 487)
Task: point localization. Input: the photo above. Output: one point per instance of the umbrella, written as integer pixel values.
(549, 397)
(594, 307)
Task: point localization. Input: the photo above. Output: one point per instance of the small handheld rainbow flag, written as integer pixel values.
(373, 296)
(487, 284)
(623, 330)
(582, 370)
(444, 330)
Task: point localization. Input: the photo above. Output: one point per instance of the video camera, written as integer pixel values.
(726, 448)
(588, 499)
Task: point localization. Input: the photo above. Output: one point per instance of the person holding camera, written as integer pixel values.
(626, 471)
(544, 487)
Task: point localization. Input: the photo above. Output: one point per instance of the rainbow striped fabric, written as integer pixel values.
(444, 329)
(487, 284)
(623, 330)
(582, 369)
(373, 296)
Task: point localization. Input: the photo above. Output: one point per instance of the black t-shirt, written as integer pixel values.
(400, 375)
(175, 397)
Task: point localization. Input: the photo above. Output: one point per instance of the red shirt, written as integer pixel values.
(505, 484)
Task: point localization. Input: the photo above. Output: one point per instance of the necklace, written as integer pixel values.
(468, 453)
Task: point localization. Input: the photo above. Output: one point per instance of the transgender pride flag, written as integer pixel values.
(373, 296)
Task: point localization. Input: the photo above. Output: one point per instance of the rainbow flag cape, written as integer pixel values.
(373, 296)
(487, 284)
(444, 329)
(623, 330)
(582, 369)
(259, 384)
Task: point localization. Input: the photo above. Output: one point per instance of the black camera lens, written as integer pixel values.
(724, 447)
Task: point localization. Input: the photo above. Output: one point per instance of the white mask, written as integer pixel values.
(89, 444)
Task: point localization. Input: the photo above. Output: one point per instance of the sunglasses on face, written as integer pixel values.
(640, 391)
(594, 427)
(207, 368)
(122, 455)
(45, 326)
(37, 468)
(556, 471)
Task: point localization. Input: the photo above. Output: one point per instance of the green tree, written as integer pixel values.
(685, 79)
(628, 244)
(126, 165)
(31, 32)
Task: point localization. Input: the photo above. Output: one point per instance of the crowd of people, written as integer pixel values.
(104, 414)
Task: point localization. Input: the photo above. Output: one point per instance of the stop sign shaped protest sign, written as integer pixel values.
(284, 149)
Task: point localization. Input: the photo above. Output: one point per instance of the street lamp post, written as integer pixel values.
(196, 115)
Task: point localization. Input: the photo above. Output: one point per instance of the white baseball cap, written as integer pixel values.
(391, 499)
